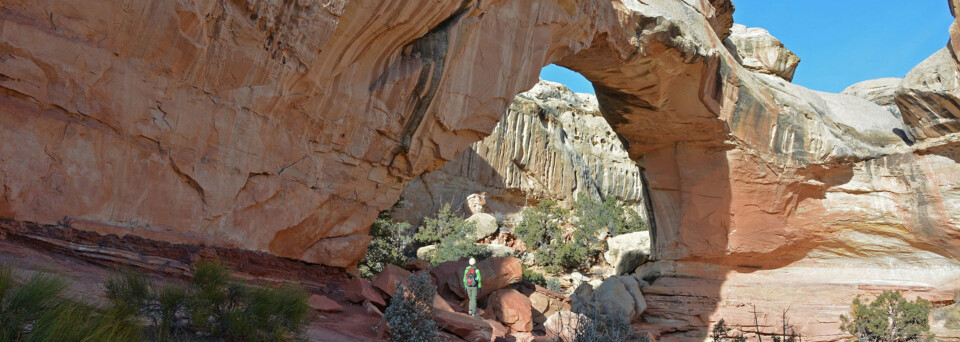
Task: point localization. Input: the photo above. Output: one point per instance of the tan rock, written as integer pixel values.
(360, 290)
(761, 52)
(512, 308)
(563, 325)
(323, 304)
(485, 225)
(627, 251)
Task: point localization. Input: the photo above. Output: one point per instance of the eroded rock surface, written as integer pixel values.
(285, 127)
(550, 144)
(759, 51)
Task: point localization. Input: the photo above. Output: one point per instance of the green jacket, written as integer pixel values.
(477, 271)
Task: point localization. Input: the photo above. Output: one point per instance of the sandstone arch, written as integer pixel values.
(284, 127)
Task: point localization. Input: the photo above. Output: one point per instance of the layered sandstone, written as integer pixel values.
(551, 143)
(285, 127)
(758, 50)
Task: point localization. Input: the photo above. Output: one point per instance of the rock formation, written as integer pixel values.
(551, 143)
(285, 127)
(759, 51)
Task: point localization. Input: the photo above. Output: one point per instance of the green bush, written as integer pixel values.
(540, 225)
(444, 225)
(553, 284)
(533, 277)
(410, 314)
(212, 307)
(541, 230)
(35, 311)
(721, 333)
(452, 249)
(391, 243)
(450, 233)
(593, 216)
(889, 317)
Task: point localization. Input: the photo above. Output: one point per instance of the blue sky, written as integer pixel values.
(840, 42)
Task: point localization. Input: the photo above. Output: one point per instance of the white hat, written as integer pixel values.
(473, 261)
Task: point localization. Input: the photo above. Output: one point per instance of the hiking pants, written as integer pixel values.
(472, 293)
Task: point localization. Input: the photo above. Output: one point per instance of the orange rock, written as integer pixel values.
(512, 308)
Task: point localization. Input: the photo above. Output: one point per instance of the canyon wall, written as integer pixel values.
(550, 144)
(284, 127)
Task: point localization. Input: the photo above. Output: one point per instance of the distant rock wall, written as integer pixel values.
(550, 144)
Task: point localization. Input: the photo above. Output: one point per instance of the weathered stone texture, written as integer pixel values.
(285, 127)
(550, 144)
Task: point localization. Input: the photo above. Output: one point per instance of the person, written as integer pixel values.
(471, 282)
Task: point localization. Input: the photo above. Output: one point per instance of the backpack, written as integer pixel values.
(471, 277)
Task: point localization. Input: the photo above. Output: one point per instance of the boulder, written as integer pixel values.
(563, 325)
(544, 302)
(475, 203)
(621, 296)
(359, 290)
(416, 265)
(441, 304)
(388, 279)
(484, 224)
(371, 310)
(462, 324)
(426, 252)
(627, 251)
(512, 308)
(323, 304)
(759, 51)
(498, 250)
(496, 273)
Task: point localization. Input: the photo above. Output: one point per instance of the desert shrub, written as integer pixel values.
(553, 284)
(598, 327)
(950, 315)
(889, 317)
(212, 307)
(410, 314)
(721, 333)
(533, 277)
(540, 225)
(35, 311)
(452, 249)
(450, 233)
(541, 230)
(391, 243)
(445, 224)
(594, 215)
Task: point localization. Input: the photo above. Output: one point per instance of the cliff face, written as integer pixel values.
(550, 144)
(284, 127)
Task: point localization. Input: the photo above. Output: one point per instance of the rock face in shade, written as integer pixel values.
(761, 52)
(928, 96)
(551, 143)
(284, 127)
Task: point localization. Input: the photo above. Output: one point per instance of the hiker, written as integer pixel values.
(471, 282)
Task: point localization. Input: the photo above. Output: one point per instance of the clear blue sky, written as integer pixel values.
(840, 42)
